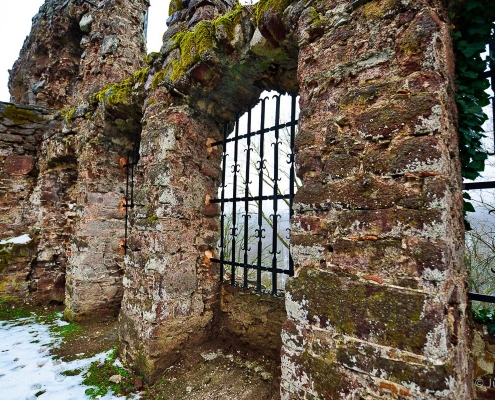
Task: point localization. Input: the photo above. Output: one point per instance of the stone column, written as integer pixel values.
(170, 288)
(114, 51)
(378, 305)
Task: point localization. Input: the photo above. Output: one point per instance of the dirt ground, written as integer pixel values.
(208, 372)
(94, 337)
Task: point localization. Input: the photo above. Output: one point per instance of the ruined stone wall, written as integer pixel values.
(21, 129)
(74, 52)
(377, 307)
(46, 71)
(172, 297)
(114, 51)
(20, 133)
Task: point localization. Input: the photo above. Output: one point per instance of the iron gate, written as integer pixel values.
(129, 164)
(256, 196)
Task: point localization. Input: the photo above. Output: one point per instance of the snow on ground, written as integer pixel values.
(28, 372)
(23, 239)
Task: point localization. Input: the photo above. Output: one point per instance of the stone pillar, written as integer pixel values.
(114, 51)
(170, 287)
(377, 308)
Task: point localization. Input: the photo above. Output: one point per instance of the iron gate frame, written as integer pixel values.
(223, 200)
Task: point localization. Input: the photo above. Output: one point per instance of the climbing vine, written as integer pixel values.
(473, 25)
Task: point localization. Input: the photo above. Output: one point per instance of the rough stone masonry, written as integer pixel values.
(377, 307)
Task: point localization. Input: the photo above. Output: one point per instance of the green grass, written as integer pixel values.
(98, 375)
(66, 330)
(9, 311)
(71, 372)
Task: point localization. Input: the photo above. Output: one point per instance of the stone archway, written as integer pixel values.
(378, 222)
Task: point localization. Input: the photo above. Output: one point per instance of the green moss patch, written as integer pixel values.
(174, 6)
(10, 311)
(195, 43)
(123, 92)
(98, 376)
(277, 6)
(21, 116)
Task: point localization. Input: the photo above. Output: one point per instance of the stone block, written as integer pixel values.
(380, 314)
(19, 165)
(9, 138)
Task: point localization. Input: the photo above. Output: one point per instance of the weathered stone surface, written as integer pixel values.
(15, 267)
(252, 320)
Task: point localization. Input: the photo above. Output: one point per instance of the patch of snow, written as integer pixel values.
(28, 372)
(23, 239)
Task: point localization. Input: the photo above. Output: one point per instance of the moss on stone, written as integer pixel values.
(69, 315)
(68, 114)
(384, 315)
(317, 21)
(6, 256)
(123, 92)
(20, 116)
(141, 75)
(3, 292)
(150, 58)
(277, 6)
(229, 21)
(174, 6)
(12, 289)
(195, 43)
(377, 9)
(325, 375)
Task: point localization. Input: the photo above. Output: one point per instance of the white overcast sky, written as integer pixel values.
(15, 25)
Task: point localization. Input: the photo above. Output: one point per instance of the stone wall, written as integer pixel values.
(483, 352)
(21, 129)
(113, 43)
(251, 320)
(34, 271)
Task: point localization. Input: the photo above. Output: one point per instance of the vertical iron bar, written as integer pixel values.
(132, 175)
(126, 199)
(222, 201)
(246, 201)
(275, 199)
(260, 194)
(491, 52)
(292, 179)
(234, 202)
